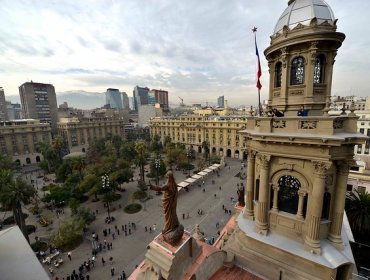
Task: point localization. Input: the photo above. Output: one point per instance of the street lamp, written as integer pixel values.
(189, 156)
(105, 182)
(157, 166)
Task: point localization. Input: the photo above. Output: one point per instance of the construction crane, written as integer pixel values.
(182, 102)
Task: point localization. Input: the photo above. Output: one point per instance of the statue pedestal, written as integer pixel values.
(189, 258)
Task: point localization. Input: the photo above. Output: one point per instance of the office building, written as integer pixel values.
(125, 101)
(221, 101)
(113, 98)
(3, 106)
(140, 97)
(159, 96)
(39, 102)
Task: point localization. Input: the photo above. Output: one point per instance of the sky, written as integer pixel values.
(195, 49)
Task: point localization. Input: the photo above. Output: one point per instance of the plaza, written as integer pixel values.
(128, 251)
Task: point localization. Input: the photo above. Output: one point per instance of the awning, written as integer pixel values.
(183, 184)
(203, 173)
(213, 167)
(216, 165)
(190, 180)
(207, 170)
(196, 176)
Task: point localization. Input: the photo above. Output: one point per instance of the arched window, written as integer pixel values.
(288, 194)
(278, 69)
(318, 72)
(297, 71)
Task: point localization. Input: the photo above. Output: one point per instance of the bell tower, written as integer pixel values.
(301, 56)
(297, 169)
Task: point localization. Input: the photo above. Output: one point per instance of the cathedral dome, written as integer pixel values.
(302, 12)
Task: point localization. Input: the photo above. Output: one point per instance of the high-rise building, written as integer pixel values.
(140, 97)
(160, 97)
(125, 101)
(39, 102)
(113, 98)
(14, 111)
(221, 101)
(3, 110)
(131, 103)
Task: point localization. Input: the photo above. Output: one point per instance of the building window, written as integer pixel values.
(349, 188)
(361, 189)
(318, 72)
(278, 68)
(297, 71)
(288, 194)
(359, 149)
(362, 130)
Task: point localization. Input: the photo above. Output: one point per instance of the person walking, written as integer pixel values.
(69, 256)
(103, 261)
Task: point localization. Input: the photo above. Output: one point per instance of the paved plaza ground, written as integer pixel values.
(128, 251)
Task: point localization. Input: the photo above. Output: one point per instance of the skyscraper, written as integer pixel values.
(125, 101)
(140, 96)
(221, 101)
(39, 102)
(113, 98)
(160, 96)
(3, 110)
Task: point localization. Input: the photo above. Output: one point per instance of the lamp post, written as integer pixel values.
(157, 166)
(105, 182)
(189, 155)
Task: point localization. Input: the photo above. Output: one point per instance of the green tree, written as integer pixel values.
(141, 152)
(358, 212)
(79, 164)
(69, 233)
(13, 193)
(156, 144)
(74, 205)
(205, 147)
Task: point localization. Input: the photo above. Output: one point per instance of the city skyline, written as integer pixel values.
(198, 51)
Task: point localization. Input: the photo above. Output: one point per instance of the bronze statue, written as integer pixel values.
(172, 230)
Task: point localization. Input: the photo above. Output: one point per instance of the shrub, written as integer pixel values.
(10, 220)
(139, 195)
(39, 246)
(30, 229)
(69, 234)
(133, 208)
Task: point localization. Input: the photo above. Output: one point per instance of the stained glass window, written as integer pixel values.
(278, 68)
(318, 73)
(297, 71)
(288, 194)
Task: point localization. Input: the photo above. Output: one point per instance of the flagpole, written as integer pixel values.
(254, 30)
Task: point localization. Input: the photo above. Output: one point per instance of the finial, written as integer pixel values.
(343, 109)
(352, 108)
(198, 235)
(290, 2)
(254, 29)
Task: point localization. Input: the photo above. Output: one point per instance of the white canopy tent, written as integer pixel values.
(207, 170)
(183, 184)
(190, 180)
(216, 165)
(212, 167)
(196, 176)
(202, 173)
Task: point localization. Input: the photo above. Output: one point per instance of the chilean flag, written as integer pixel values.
(259, 71)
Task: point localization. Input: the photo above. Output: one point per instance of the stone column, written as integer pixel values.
(312, 242)
(285, 74)
(310, 65)
(263, 201)
(338, 206)
(301, 195)
(249, 194)
(275, 206)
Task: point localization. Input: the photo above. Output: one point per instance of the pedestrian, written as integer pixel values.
(150, 229)
(129, 231)
(219, 187)
(146, 228)
(118, 231)
(125, 232)
(154, 227)
(183, 216)
(112, 271)
(229, 212)
(123, 275)
(123, 228)
(113, 236)
(115, 227)
(215, 195)
(108, 230)
(69, 256)
(187, 216)
(103, 261)
(111, 260)
(87, 277)
(111, 245)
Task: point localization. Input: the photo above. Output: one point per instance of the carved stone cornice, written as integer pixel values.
(302, 193)
(321, 167)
